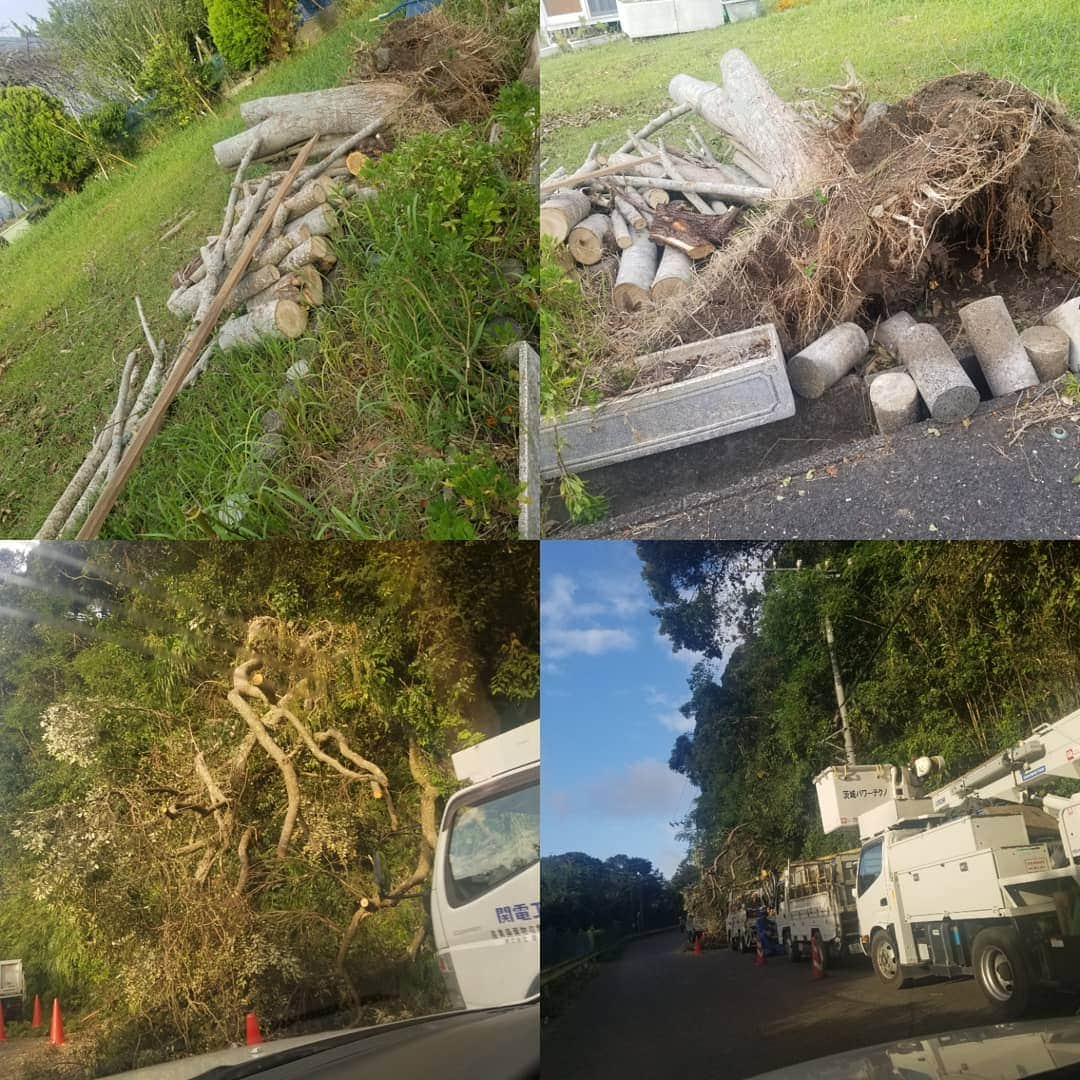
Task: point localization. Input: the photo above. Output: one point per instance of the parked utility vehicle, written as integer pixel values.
(746, 903)
(485, 896)
(816, 898)
(977, 878)
(12, 988)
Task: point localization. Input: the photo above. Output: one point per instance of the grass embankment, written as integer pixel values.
(402, 430)
(895, 45)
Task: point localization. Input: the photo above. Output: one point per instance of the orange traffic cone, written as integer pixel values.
(817, 960)
(37, 1020)
(56, 1030)
(697, 944)
(759, 960)
(254, 1036)
(3, 1032)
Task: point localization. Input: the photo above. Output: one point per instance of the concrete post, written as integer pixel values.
(1048, 350)
(1067, 317)
(895, 400)
(889, 332)
(827, 360)
(949, 394)
(1001, 354)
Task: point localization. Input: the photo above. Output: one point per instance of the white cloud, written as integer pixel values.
(674, 720)
(640, 789)
(563, 641)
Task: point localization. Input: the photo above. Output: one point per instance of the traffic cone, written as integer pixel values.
(254, 1036)
(3, 1031)
(697, 944)
(56, 1030)
(37, 1020)
(759, 960)
(817, 961)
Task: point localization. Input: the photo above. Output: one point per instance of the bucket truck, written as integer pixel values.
(978, 877)
(485, 895)
(12, 988)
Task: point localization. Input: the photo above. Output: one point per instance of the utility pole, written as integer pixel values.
(841, 700)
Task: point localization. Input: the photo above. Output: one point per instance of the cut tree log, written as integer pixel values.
(275, 251)
(292, 117)
(654, 125)
(695, 235)
(559, 181)
(312, 194)
(304, 286)
(655, 197)
(282, 320)
(633, 217)
(236, 237)
(182, 366)
(676, 172)
(752, 168)
(739, 193)
(621, 231)
(324, 146)
(638, 165)
(316, 250)
(321, 221)
(586, 240)
(355, 161)
(673, 275)
(789, 148)
(250, 285)
(637, 268)
(560, 213)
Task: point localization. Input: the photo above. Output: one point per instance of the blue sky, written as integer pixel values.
(20, 10)
(611, 688)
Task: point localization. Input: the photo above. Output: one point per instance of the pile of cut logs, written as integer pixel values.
(661, 209)
(277, 279)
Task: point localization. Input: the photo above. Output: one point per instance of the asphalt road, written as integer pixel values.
(660, 1011)
(929, 481)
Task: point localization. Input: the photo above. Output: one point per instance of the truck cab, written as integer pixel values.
(12, 988)
(485, 900)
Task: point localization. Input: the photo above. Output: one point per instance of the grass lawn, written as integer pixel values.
(355, 459)
(895, 45)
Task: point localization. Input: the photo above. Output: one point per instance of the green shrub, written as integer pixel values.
(106, 126)
(173, 82)
(241, 31)
(40, 153)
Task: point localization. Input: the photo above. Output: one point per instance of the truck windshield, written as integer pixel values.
(869, 866)
(491, 841)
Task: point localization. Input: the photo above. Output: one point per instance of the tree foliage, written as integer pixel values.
(222, 767)
(40, 152)
(241, 31)
(951, 649)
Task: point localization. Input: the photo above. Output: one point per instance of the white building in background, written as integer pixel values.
(557, 15)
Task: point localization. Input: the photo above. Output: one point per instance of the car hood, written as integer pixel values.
(995, 1052)
(499, 1043)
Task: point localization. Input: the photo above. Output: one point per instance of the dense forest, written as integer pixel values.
(953, 649)
(221, 773)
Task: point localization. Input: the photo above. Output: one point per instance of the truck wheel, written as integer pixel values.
(886, 961)
(1001, 972)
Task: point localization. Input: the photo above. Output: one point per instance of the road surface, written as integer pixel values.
(662, 1011)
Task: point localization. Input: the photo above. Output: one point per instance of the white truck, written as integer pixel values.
(979, 877)
(485, 897)
(746, 903)
(12, 988)
(816, 898)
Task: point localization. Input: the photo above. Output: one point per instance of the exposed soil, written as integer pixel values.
(456, 70)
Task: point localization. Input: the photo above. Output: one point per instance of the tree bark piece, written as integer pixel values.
(293, 117)
(695, 235)
(586, 239)
(673, 275)
(315, 250)
(560, 213)
(746, 109)
(185, 360)
(637, 268)
(620, 230)
(281, 320)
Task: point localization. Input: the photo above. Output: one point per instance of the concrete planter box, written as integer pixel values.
(738, 10)
(654, 18)
(744, 384)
